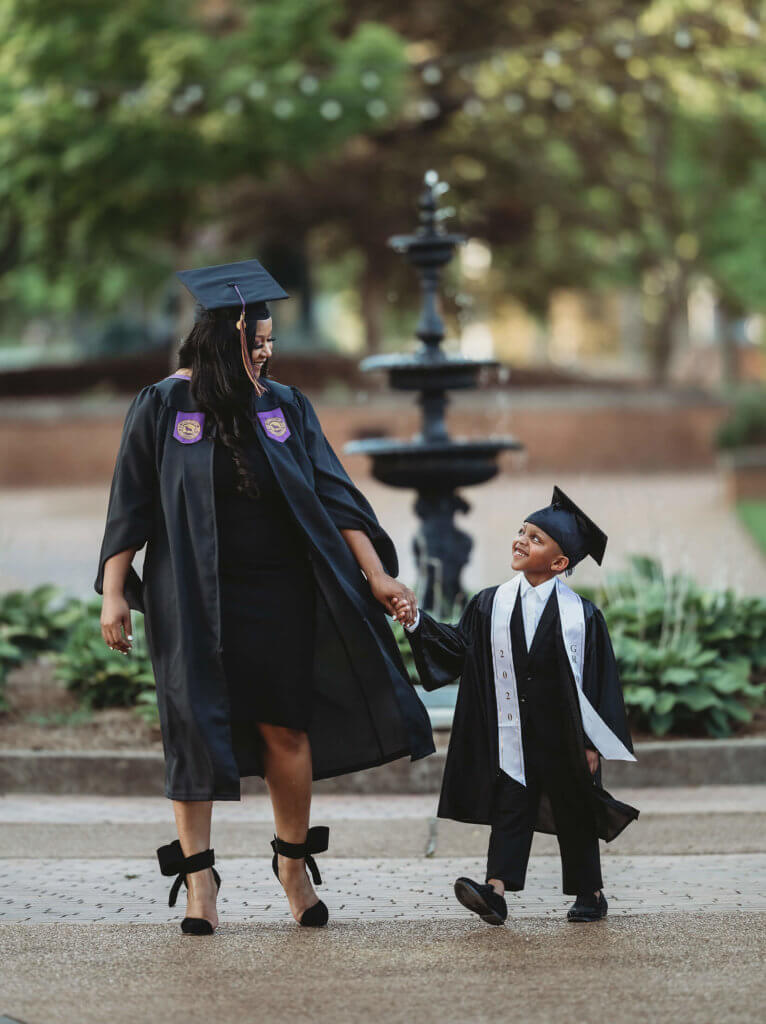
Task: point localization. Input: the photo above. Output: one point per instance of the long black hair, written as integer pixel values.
(219, 384)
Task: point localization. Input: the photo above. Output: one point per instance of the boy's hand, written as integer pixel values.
(398, 600)
(593, 759)
(405, 609)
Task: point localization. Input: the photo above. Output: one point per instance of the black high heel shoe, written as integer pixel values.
(317, 841)
(173, 862)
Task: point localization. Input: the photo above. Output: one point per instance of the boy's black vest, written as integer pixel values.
(538, 679)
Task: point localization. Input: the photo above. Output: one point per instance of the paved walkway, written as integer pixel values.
(57, 858)
(666, 800)
(683, 520)
(386, 889)
(86, 935)
(662, 969)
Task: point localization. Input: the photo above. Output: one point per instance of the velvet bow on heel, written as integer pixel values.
(173, 862)
(317, 841)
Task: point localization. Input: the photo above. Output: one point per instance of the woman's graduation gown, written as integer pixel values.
(443, 653)
(365, 710)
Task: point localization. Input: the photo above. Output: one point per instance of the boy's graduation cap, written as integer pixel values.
(232, 285)
(576, 534)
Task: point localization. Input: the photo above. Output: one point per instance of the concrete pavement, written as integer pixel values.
(650, 969)
(86, 935)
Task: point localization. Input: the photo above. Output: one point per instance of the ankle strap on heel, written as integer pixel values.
(172, 862)
(317, 841)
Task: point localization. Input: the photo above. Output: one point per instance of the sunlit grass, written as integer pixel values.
(753, 515)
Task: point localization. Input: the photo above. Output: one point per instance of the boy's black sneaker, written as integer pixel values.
(482, 900)
(588, 908)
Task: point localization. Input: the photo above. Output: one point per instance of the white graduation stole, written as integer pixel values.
(572, 618)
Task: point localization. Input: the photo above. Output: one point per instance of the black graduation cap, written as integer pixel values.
(242, 284)
(576, 534)
(231, 285)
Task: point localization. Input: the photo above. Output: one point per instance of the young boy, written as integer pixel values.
(539, 703)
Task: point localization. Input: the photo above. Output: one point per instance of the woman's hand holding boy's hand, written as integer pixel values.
(593, 759)
(406, 608)
(398, 600)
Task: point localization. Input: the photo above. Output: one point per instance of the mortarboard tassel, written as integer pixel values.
(246, 360)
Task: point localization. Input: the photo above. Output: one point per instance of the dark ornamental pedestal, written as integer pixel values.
(432, 463)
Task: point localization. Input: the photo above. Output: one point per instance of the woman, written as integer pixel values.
(270, 648)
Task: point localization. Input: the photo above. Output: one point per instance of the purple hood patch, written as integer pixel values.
(188, 427)
(274, 423)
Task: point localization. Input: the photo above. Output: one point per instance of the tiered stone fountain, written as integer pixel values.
(432, 463)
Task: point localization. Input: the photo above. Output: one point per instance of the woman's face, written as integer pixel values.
(262, 345)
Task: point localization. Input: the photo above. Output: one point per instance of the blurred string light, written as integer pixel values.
(331, 110)
(473, 107)
(377, 108)
(284, 108)
(309, 84)
(534, 70)
(563, 99)
(428, 109)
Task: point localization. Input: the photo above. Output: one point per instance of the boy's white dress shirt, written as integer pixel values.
(533, 601)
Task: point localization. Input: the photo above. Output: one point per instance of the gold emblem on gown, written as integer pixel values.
(275, 425)
(188, 429)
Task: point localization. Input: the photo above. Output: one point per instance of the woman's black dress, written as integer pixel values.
(267, 600)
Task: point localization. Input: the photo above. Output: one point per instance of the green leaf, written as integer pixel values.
(665, 702)
(698, 698)
(679, 676)
(734, 709)
(660, 724)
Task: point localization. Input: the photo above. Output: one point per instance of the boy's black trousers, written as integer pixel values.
(515, 812)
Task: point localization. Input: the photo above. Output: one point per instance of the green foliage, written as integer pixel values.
(746, 422)
(753, 515)
(122, 127)
(45, 622)
(638, 148)
(692, 661)
(32, 623)
(146, 707)
(99, 676)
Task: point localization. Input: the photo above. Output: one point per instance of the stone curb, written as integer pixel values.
(137, 773)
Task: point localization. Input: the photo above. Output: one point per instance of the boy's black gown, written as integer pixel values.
(561, 796)
(364, 711)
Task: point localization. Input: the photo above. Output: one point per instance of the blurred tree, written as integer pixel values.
(590, 144)
(123, 126)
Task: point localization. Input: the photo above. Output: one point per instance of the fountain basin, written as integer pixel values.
(433, 465)
(422, 371)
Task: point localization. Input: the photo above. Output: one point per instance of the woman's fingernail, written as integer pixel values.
(130, 636)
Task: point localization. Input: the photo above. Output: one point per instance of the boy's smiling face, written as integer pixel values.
(536, 553)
